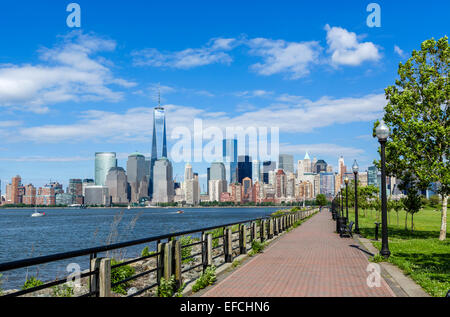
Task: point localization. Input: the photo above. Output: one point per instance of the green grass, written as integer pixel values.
(419, 254)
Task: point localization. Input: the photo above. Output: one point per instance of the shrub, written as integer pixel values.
(32, 282)
(187, 251)
(118, 274)
(216, 233)
(1, 290)
(147, 252)
(166, 287)
(377, 258)
(207, 278)
(62, 291)
(257, 246)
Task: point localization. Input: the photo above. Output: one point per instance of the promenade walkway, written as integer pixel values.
(311, 260)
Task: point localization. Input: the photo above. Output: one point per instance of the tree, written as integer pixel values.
(397, 207)
(418, 114)
(321, 200)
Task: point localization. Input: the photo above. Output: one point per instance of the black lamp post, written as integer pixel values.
(382, 132)
(342, 200)
(346, 198)
(355, 168)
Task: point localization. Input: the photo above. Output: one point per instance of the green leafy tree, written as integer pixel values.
(321, 200)
(417, 113)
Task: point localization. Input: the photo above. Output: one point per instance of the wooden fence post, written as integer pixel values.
(228, 245)
(160, 261)
(271, 225)
(262, 230)
(101, 281)
(177, 263)
(167, 266)
(243, 239)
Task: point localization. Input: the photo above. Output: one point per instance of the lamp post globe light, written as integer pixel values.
(355, 169)
(382, 133)
(346, 198)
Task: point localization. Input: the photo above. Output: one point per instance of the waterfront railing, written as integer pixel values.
(215, 245)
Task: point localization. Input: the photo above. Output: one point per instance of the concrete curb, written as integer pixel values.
(402, 285)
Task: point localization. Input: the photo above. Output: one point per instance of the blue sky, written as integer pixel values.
(315, 69)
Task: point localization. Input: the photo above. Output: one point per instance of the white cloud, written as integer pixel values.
(345, 48)
(68, 72)
(213, 52)
(291, 58)
(133, 125)
(253, 93)
(399, 51)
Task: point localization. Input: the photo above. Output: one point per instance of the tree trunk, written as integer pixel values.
(406, 220)
(412, 222)
(397, 218)
(443, 232)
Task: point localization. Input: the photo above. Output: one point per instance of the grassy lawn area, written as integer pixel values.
(419, 254)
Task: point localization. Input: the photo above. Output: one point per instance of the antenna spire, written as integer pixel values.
(159, 95)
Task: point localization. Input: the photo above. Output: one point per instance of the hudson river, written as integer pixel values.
(62, 230)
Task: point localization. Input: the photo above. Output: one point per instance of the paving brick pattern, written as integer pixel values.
(311, 260)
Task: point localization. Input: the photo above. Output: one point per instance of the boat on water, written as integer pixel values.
(37, 214)
(129, 207)
(180, 212)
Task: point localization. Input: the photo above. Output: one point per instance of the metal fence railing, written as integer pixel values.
(215, 245)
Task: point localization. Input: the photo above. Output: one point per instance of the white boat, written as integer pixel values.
(129, 207)
(36, 213)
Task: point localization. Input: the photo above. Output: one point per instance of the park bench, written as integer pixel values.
(346, 230)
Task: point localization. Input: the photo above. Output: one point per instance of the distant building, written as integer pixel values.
(191, 186)
(117, 183)
(136, 177)
(75, 188)
(286, 163)
(163, 190)
(230, 159)
(29, 197)
(103, 162)
(327, 186)
(320, 166)
(256, 171)
(64, 199)
(46, 196)
(244, 168)
(216, 188)
(86, 182)
(280, 184)
(96, 195)
(372, 179)
(246, 189)
(268, 166)
(363, 179)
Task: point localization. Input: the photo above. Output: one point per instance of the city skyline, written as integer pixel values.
(51, 127)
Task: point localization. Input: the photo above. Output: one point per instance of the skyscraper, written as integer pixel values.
(75, 189)
(268, 166)
(163, 189)
(320, 166)
(244, 168)
(103, 162)
(136, 177)
(256, 171)
(191, 186)
(159, 141)
(307, 168)
(116, 181)
(230, 159)
(286, 163)
(372, 179)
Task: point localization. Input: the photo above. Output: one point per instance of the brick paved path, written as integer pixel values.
(311, 260)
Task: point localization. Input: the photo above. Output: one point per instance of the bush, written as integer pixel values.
(187, 251)
(147, 252)
(166, 287)
(434, 201)
(118, 274)
(207, 278)
(32, 282)
(62, 291)
(1, 290)
(257, 246)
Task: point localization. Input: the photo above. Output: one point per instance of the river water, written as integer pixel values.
(62, 230)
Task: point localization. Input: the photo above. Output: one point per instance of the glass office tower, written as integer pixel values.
(103, 162)
(159, 141)
(230, 159)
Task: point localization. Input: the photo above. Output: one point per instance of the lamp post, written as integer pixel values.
(342, 200)
(382, 132)
(346, 198)
(355, 168)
